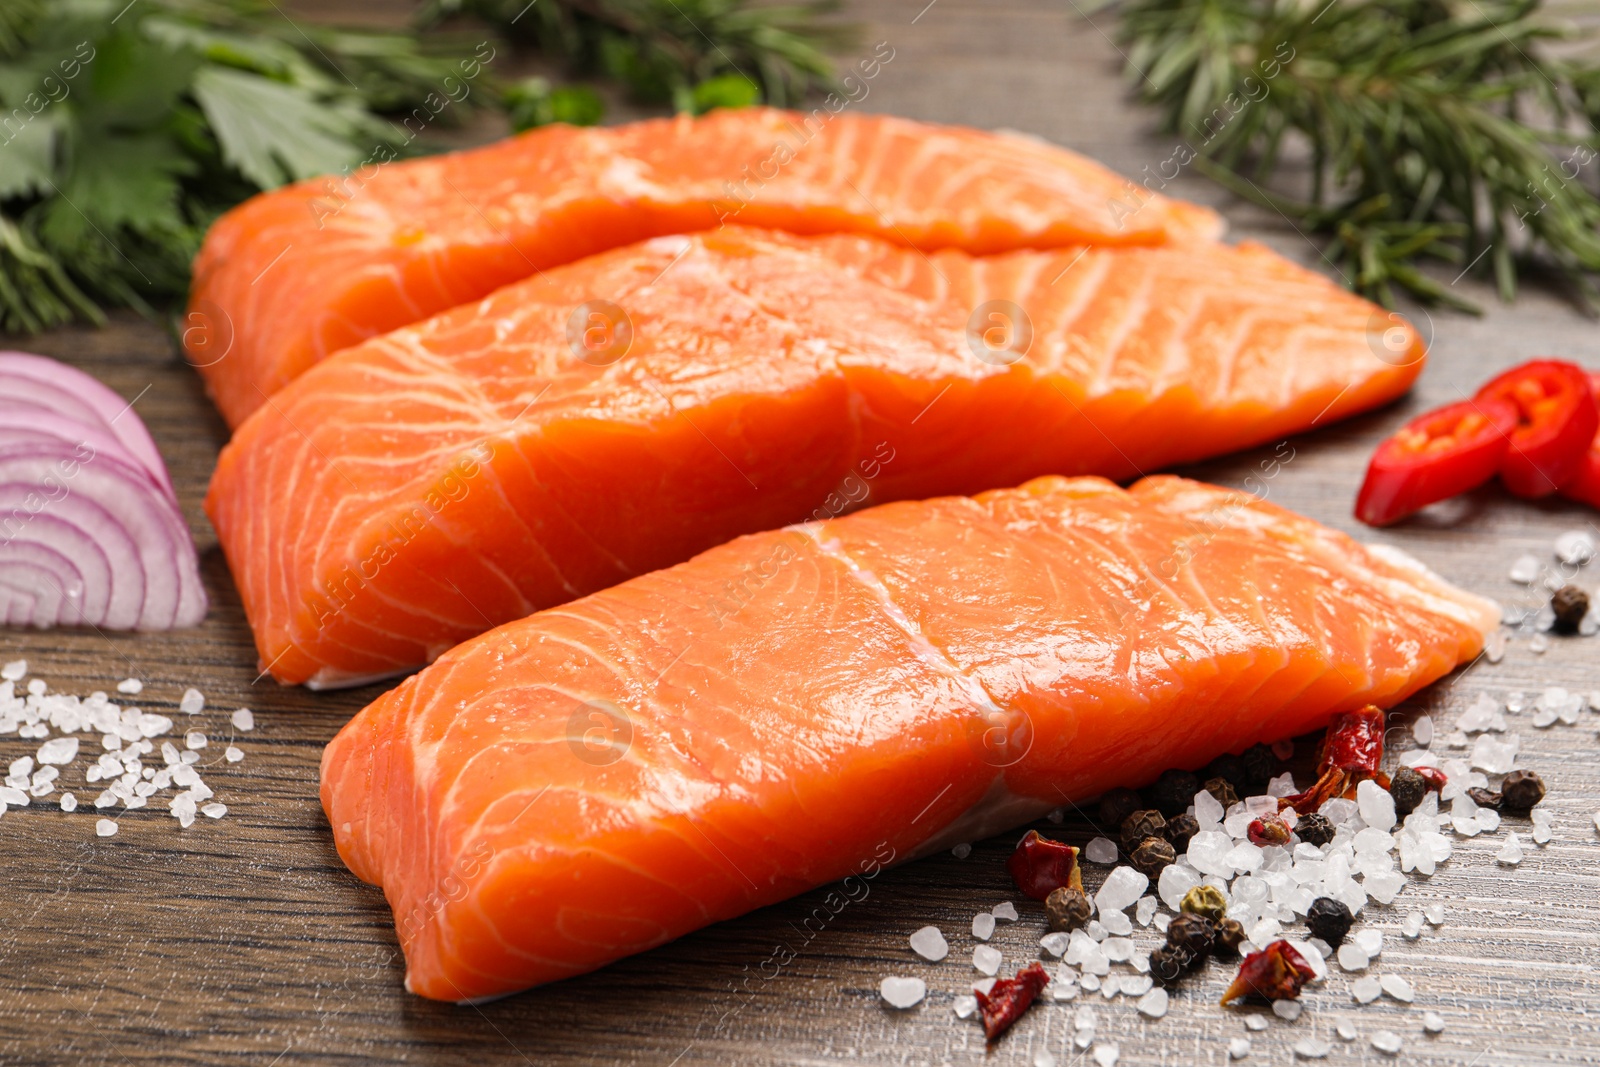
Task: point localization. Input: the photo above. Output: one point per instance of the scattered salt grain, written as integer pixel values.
(929, 943)
(1434, 913)
(1387, 1042)
(960, 852)
(1175, 881)
(1311, 1048)
(1091, 982)
(14, 671)
(983, 925)
(194, 739)
(1494, 646)
(1117, 923)
(1238, 1048)
(1525, 570)
(1146, 908)
(1376, 804)
(130, 687)
(984, 985)
(1136, 985)
(1110, 985)
(192, 703)
(1154, 1003)
(1005, 911)
(1288, 1010)
(69, 802)
(1043, 1058)
(1370, 940)
(966, 1006)
(986, 958)
(1056, 944)
(1352, 957)
(1397, 987)
(1422, 730)
(1366, 990)
(1282, 786)
(1575, 546)
(59, 751)
(1511, 853)
(1539, 645)
(902, 993)
(233, 754)
(1432, 1022)
(1411, 927)
(1107, 1055)
(245, 720)
(1345, 1030)
(1255, 1022)
(1100, 850)
(1493, 756)
(214, 811)
(1122, 887)
(104, 828)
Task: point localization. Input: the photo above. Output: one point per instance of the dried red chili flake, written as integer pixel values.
(1009, 998)
(1351, 751)
(1277, 972)
(1435, 778)
(1040, 865)
(1269, 830)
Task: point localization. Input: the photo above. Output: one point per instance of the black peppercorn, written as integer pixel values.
(1314, 829)
(1230, 935)
(1140, 825)
(1521, 790)
(1153, 855)
(1407, 787)
(1117, 805)
(1485, 798)
(1259, 767)
(1067, 908)
(1169, 963)
(1570, 605)
(1330, 920)
(1194, 932)
(1180, 828)
(1222, 790)
(1173, 792)
(1227, 767)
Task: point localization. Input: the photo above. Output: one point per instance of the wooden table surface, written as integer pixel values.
(245, 941)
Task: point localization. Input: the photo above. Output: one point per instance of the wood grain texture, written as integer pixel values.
(246, 942)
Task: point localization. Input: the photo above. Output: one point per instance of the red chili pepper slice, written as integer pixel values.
(1556, 425)
(1352, 750)
(1434, 457)
(1041, 865)
(1277, 972)
(1009, 998)
(1435, 778)
(1585, 485)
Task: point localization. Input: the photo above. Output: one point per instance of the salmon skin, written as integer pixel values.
(297, 273)
(600, 778)
(422, 487)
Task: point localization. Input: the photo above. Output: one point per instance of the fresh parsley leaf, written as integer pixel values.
(276, 133)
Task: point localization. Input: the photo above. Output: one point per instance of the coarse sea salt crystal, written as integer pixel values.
(1238, 1048)
(1288, 1010)
(984, 985)
(1146, 909)
(1397, 987)
(1136, 985)
(1411, 927)
(14, 671)
(1091, 982)
(244, 719)
(961, 851)
(966, 1006)
(1255, 1022)
(902, 993)
(1107, 1055)
(1208, 810)
(1525, 570)
(69, 802)
(1422, 730)
(130, 687)
(1387, 1042)
(1312, 1049)
(1043, 1058)
(983, 925)
(1575, 546)
(1154, 1003)
(104, 828)
(194, 739)
(192, 702)
(1345, 1030)
(1370, 940)
(1432, 1022)
(1494, 646)
(1511, 853)
(1057, 944)
(1352, 957)
(1366, 989)
(59, 751)
(1122, 887)
(1117, 923)
(1110, 986)
(233, 754)
(1005, 911)
(1100, 850)
(929, 943)
(1175, 881)
(1493, 756)
(1376, 805)
(986, 958)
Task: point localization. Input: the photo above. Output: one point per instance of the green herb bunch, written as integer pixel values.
(693, 54)
(127, 128)
(1436, 129)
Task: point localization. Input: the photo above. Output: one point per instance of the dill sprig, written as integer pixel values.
(692, 54)
(1436, 130)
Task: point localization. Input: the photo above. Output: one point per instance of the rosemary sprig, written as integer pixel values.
(693, 54)
(1435, 129)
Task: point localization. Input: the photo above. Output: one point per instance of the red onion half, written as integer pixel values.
(90, 531)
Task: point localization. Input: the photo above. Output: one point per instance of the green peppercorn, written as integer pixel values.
(1169, 963)
(1570, 605)
(1117, 805)
(1140, 825)
(1230, 935)
(1180, 828)
(1153, 855)
(1228, 767)
(1173, 792)
(1330, 920)
(1067, 908)
(1407, 787)
(1206, 900)
(1521, 790)
(1222, 790)
(1314, 829)
(1194, 932)
(1259, 767)
(1485, 798)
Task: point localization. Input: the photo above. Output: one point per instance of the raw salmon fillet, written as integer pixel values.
(297, 273)
(603, 777)
(442, 479)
